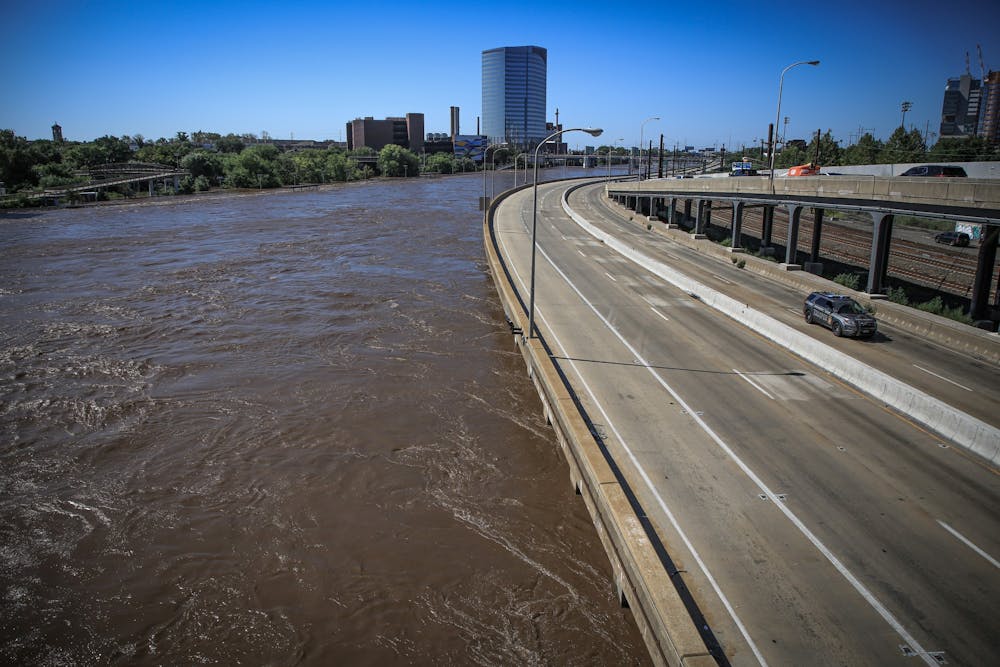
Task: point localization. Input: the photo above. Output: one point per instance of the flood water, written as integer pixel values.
(282, 428)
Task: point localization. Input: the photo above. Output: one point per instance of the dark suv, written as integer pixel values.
(840, 313)
(953, 238)
(935, 170)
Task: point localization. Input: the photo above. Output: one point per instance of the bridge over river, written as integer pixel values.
(767, 493)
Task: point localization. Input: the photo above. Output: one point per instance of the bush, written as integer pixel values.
(740, 264)
(898, 295)
(726, 242)
(848, 280)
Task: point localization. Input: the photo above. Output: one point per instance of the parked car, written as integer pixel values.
(953, 238)
(839, 313)
(938, 170)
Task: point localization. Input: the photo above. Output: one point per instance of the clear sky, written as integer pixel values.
(709, 70)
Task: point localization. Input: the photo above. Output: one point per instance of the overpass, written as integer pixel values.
(755, 507)
(116, 174)
(958, 199)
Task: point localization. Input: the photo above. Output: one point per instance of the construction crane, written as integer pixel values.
(982, 67)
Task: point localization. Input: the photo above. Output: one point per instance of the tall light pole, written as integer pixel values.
(610, 148)
(641, 127)
(592, 131)
(777, 118)
(485, 151)
(905, 106)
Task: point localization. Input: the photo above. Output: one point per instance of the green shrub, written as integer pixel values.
(898, 295)
(848, 280)
(740, 264)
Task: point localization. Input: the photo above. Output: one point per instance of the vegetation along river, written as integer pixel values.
(281, 428)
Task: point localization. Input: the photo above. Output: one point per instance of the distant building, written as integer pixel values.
(438, 142)
(960, 108)
(407, 132)
(455, 128)
(514, 89)
(989, 124)
(57, 133)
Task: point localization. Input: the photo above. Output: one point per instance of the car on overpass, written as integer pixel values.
(938, 170)
(839, 313)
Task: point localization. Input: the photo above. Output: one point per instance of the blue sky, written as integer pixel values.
(709, 70)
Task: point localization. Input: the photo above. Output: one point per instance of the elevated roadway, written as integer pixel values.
(757, 508)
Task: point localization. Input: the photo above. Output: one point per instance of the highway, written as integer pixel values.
(812, 524)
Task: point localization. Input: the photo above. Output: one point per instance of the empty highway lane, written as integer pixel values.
(812, 524)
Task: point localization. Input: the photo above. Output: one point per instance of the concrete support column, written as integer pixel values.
(765, 233)
(699, 223)
(177, 184)
(792, 242)
(150, 184)
(984, 272)
(879, 262)
(708, 215)
(687, 211)
(737, 240)
(672, 211)
(817, 234)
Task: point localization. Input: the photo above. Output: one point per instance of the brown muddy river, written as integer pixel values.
(285, 428)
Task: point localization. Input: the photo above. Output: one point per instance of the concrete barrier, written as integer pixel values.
(950, 423)
(639, 575)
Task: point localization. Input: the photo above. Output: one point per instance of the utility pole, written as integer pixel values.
(659, 171)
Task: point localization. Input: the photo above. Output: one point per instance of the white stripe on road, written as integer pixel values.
(969, 543)
(659, 313)
(754, 384)
(942, 377)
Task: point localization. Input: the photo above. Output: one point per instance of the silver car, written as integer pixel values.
(839, 313)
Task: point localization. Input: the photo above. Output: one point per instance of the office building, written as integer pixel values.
(960, 109)
(514, 89)
(407, 132)
(989, 124)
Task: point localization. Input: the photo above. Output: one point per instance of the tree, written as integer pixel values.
(830, 152)
(904, 146)
(203, 163)
(254, 167)
(440, 163)
(866, 151)
(394, 160)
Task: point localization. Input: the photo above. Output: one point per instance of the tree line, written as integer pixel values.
(212, 160)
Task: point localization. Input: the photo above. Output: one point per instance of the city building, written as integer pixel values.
(407, 132)
(960, 108)
(989, 124)
(514, 88)
(57, 133)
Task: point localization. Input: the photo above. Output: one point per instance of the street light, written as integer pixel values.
(485, 151)
(592, 131)
(643, 125)
(781, 83)
(610, 148)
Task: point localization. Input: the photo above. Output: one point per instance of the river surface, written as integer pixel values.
(282, 428)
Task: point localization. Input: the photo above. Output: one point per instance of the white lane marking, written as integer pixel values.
(581, 253)
(754, 384)
(942, 377)
(659, 313)
(610, 276)
(635, 462)
(970, 544)
(728, 282)
(861, 589)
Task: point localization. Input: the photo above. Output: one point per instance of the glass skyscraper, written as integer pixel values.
(514, 94)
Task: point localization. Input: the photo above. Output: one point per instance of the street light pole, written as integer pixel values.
(641, 127)
(610, 148)
(777, 118)
(592, 131)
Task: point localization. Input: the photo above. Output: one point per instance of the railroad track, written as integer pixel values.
(943, 269)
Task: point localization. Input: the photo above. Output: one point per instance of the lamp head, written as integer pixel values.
(593, 131)
(812, 62)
